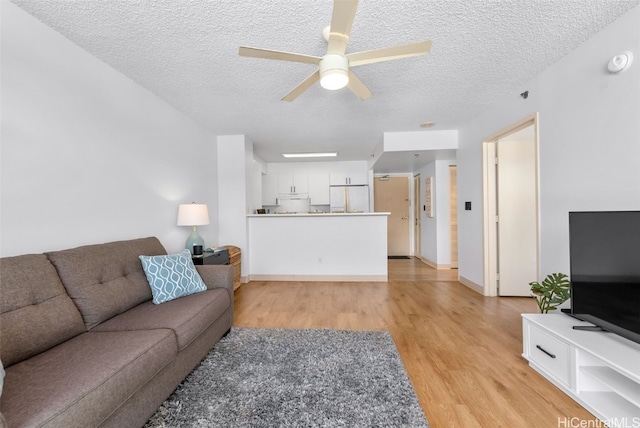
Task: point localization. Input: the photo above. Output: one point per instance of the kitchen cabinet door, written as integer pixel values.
(319, 189)
(269, 189)
(352, 178)
(293, 183)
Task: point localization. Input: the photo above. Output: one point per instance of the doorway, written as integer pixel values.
(391, 194)
(511, 221)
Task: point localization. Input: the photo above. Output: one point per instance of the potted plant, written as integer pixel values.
(554, 291)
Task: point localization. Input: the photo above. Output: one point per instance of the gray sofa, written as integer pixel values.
(82, 343)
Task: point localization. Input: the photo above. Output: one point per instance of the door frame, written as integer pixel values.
(453, 217)
(489, 196)
(417, 219)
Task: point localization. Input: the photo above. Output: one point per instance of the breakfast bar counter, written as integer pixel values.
(317, 247)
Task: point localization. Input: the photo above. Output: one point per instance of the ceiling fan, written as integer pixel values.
(334, 68)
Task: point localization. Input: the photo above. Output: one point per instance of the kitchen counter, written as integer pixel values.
(318, 214)
(318, 247)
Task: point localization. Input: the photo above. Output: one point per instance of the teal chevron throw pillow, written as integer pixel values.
(171, 276)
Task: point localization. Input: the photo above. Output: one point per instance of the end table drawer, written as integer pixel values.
(550, 353)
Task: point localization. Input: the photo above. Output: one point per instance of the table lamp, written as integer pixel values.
(193, 215)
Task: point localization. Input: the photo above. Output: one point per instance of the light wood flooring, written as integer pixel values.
(462, 350)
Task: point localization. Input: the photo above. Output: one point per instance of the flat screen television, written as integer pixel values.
(604, 253)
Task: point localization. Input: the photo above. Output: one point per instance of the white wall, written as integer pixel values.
(420, 140)
(239, 192)
(589, 144)
(318, 167)
(254, 179)
(89, 156)
(436, 231)
(232, 192)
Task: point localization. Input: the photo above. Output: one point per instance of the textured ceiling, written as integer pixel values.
(186, 52)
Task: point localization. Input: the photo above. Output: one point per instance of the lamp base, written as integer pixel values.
(194, 239)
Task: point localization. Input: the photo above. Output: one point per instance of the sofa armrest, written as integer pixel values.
(217, 276)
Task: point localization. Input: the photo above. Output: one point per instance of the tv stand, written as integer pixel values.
(588, 328)
(599, 371)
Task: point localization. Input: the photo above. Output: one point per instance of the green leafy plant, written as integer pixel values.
(554, 291)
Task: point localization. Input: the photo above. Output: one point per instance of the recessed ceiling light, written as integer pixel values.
(427, 124)
(310, 155)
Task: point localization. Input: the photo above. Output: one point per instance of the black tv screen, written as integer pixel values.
(605, 270)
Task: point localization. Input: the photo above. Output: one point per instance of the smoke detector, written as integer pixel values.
(620, 62)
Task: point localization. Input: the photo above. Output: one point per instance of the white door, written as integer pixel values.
(517, 219)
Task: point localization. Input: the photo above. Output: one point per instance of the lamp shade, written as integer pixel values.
(193, 214)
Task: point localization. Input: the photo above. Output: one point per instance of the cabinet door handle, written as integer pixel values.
(545, 351)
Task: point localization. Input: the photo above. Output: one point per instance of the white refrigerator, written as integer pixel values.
(350, 199)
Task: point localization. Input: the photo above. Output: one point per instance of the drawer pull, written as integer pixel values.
(545, 351)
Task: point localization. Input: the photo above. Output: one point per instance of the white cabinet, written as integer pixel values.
(599, 370)
(269, 189)
(319, 189)
(293, 183)
(354, 178)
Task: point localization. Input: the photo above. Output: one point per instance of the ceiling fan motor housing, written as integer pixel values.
(334, 68)
(334, 71)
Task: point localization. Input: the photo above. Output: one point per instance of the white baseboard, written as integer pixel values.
(433, 264)
(320, 278)
(470, 284)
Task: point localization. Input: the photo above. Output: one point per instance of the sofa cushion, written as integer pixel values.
(105, 280)
(187, 316)
(80, 382)
(171, 276)
(35, 311)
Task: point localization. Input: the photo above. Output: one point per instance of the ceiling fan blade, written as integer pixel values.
(358, 88)
(341, 21)
(387, 54)
(303, 86)
(279, 55)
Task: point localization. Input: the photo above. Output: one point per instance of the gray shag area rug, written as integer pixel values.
(296, 378)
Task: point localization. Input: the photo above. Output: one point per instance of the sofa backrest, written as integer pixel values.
(35, 311)
(105, 280)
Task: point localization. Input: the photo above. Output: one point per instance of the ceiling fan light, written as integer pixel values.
(334, 72)
(334, 79)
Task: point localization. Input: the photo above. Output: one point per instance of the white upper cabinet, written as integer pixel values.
(342, 179)
(293, 183)
(319, 189)
(269, 189)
